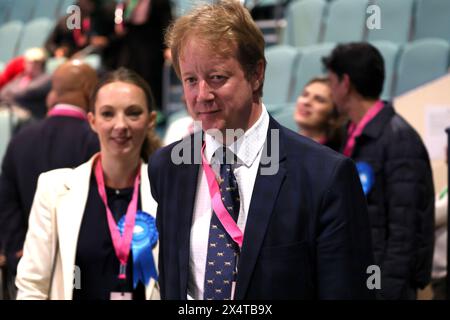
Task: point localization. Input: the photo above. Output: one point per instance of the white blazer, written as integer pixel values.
(46, 270)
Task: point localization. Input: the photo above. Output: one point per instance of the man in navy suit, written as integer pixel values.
(63, 139)
(248, 209)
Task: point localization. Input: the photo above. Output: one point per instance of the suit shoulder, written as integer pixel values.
(181, 151)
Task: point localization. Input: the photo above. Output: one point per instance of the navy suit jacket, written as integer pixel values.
(307, 234)
(51, 143)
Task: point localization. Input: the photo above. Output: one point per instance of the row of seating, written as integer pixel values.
(290, 68)
(26, 10)
(314, 21)
(16, 36)
(406, 67)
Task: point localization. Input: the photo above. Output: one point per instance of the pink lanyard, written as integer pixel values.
(121, 244)
(85, 28)
(216, 199)
(356, 130)
(67, 111)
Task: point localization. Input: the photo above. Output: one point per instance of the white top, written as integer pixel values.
(248, 150)
(440, 238)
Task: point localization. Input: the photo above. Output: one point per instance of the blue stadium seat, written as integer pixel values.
(420, 62)
(7, 120)
(63, 7)
(21, 10)
(53, 63)
(34, 34)
(46, 9)
(432, 19)
(94, 60)
(9, 36)
(345, 21)
(389, 51)
(396, 17)
(309, 66)
(184, 6)
(281, 62)
(304, 22)
(5, 7)
(285, 117)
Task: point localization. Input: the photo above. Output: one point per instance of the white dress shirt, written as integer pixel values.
(248, 150)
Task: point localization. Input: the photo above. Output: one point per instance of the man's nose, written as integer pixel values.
(204, 91)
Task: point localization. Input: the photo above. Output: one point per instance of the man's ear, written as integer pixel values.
(346, 82)
(258, 76)
(91, 120)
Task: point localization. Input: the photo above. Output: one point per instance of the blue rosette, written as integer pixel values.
(366, 176)
(145, 237)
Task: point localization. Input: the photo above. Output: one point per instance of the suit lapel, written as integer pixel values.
(185, 191)
(149, 206)
(264, 196)
(69, 216)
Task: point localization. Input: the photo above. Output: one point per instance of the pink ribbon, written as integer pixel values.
(122, 244)
(219, 209)
(356, 130)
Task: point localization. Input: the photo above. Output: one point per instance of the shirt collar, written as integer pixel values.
(68, 107)
(246, 147)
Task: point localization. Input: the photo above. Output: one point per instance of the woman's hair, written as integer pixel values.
(151, 141)
(336, 120)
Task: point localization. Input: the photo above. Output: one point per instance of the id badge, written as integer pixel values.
(121, 296)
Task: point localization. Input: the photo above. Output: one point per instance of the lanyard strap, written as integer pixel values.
(121, 244)
(356, 130)
(85, 28)
(67, 111)
(219, 209)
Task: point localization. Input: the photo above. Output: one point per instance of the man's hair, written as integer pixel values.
(364, 65)
(226, 28)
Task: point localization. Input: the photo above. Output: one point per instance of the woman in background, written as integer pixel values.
(316, 115)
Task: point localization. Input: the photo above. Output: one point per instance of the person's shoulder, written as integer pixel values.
(299, 146)
(61, 177)
(177, 152)
(403, 137)
(54, 181)
(28, 131)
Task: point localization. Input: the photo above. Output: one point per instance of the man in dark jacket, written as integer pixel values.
(394, 170)
(63, 139)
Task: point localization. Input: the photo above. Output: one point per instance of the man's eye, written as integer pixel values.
(217, 77)
(190, 80)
